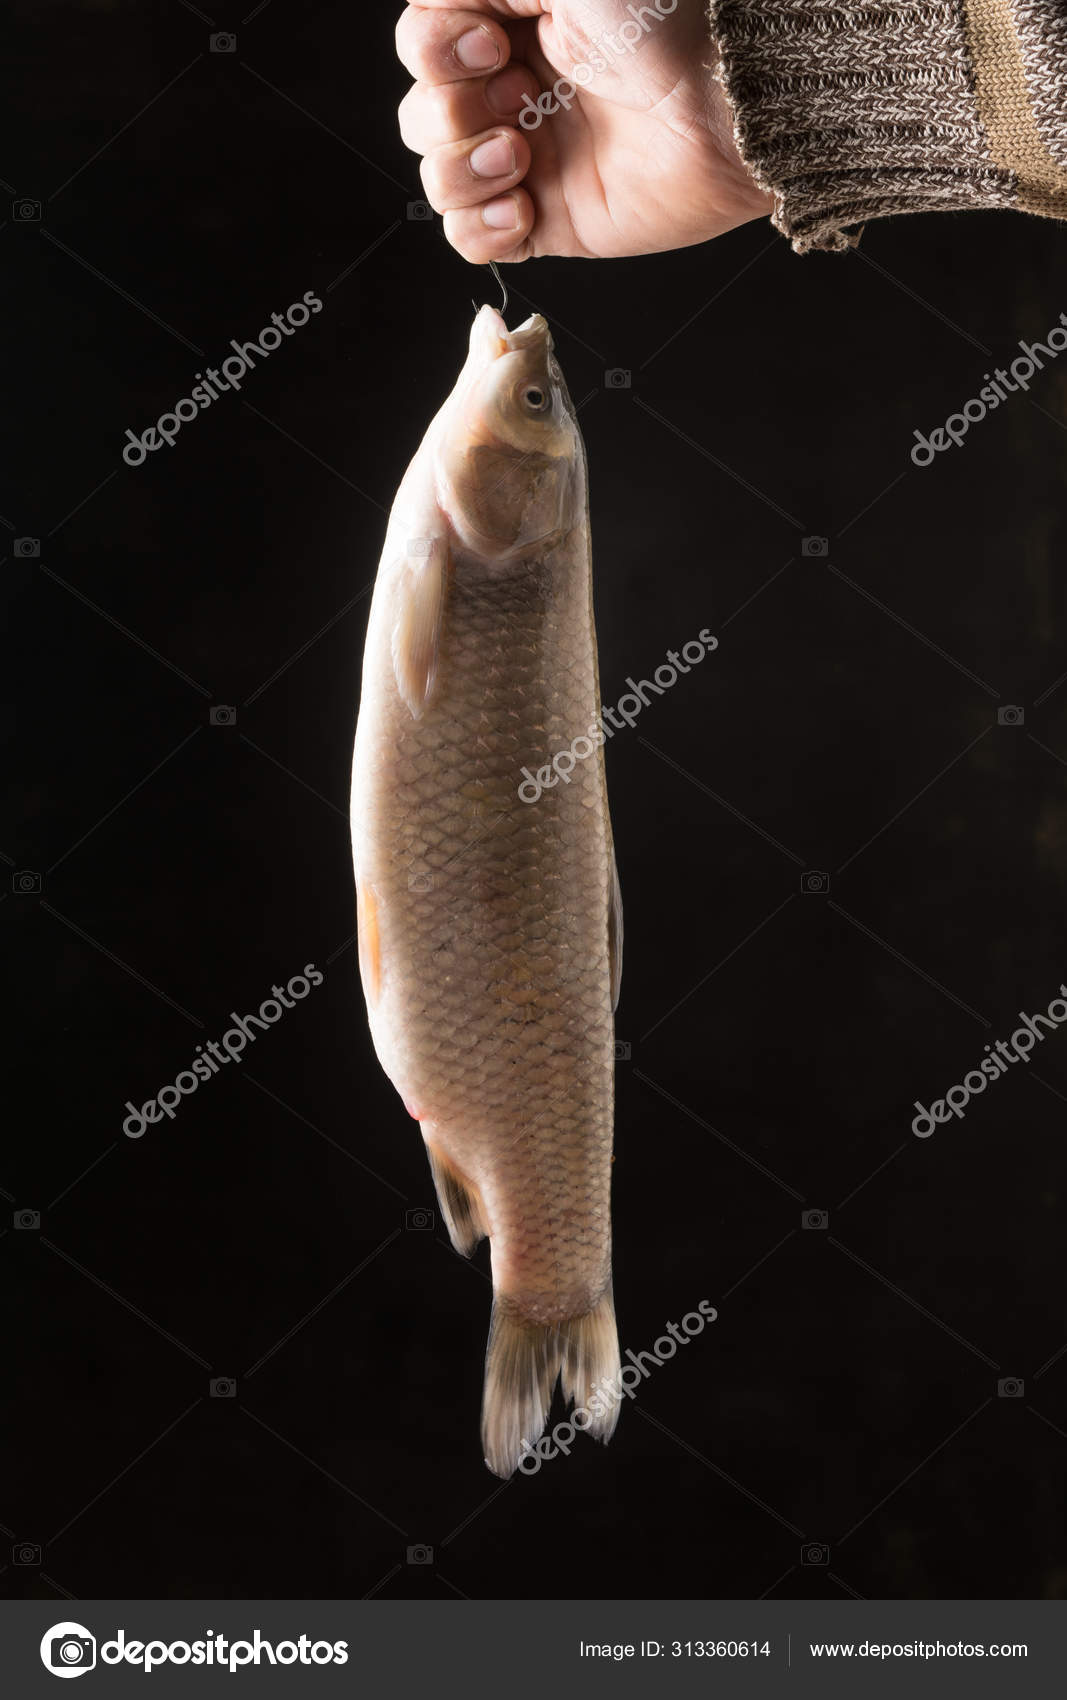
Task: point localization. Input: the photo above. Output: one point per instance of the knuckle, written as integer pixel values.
(416, 39)
(433, 182)
(443, 101)
(402, 35)
(406, 115)
(461, 235)
(427, 118)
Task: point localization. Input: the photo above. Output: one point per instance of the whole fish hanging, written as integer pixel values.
(490, 927)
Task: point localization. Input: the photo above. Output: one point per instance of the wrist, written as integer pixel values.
(743, 198)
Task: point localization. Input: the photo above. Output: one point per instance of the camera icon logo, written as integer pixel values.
(617, 378)
(622, 1050)
(420, 212)
(815, 548)
(27, 548)
(25, 1552)
(26, 212)
(420, 546)
(420, 1555)
(223, 1387)
(816, 882)
(27, 1220)
(223, 42)
(816, 1220)
(25, 882)
(68, 1649)
(815, 1553)
(1011, 715)
(1010, 1388)
(223, 714)
(419, 1221)
(420, 882)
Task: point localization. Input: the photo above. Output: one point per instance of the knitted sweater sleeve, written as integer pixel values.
(847, 110)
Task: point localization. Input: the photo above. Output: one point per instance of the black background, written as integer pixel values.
(848, 1393)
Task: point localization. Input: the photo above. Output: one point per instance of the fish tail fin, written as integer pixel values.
(461, 1204)
(522, 1363)
(590, 1358)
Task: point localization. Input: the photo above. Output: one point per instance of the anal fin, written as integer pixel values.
(461, 1204)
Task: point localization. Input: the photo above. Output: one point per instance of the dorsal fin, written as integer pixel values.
(615, 933)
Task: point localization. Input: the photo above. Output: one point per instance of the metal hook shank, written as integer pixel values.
(503, 288)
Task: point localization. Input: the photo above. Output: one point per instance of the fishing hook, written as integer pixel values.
(503, 288)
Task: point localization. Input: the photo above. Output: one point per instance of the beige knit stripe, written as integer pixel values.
(1041, 26)
(1000, 90)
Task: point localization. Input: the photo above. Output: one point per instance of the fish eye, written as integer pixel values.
(535, 398)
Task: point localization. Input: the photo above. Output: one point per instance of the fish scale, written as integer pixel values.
(485, 920)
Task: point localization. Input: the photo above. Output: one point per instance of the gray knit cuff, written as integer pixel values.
(849, 112)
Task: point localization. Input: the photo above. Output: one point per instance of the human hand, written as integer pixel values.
(639, 159)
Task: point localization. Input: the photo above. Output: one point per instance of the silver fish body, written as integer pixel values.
(490, 926)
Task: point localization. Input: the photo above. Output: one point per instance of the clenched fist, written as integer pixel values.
(578, 127)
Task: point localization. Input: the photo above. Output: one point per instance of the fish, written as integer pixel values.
(489, 923)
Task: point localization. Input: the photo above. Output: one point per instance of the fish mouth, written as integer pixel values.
(532, 333)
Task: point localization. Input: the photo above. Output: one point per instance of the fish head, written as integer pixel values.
(511, 459)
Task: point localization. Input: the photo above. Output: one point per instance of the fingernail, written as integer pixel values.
(477, 50)
(495, 158)
(501, 214)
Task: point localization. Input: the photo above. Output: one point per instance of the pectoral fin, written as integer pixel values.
(417, 630)
(368, 941)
